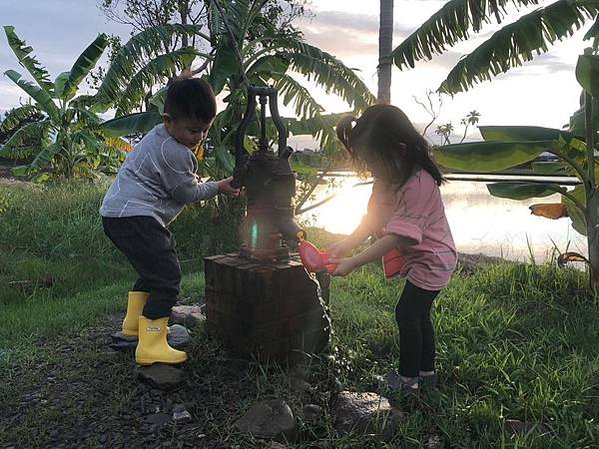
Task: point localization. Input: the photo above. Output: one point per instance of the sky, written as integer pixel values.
(543, 92)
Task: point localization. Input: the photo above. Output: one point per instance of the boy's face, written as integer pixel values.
(187, 131)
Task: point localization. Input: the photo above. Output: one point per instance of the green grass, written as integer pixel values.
(513, 342)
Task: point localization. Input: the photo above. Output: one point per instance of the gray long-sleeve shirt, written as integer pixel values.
(157, 179)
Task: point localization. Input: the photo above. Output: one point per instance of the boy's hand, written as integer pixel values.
(341, 248)
(224, 186)
(344, 266)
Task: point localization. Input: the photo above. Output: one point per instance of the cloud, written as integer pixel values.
(346, 34)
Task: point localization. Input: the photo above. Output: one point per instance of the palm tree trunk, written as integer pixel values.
(385, 47)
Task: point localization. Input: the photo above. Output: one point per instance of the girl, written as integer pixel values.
(406, 212)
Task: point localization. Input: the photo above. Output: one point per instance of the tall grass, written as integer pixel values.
(54, 252)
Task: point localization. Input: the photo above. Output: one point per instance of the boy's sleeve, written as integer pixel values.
(411, 209)
(180, 180)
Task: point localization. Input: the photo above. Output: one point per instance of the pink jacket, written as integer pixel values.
(415, 211)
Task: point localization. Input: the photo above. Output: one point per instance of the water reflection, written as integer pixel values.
(479, 222)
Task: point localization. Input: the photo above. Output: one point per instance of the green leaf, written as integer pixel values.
(485, 157)
(130, 58)
(84, 64)
(269, 64)
(153, 73)
(291, 91)
(587, 74)
(577, 120)
(548, 168)
(60, 83)
(44, 158)
(320, 127)
(523, 190)
(36, 132)
(521, 133)
(17, 116)
(593, 32)
(577, 217)
(225, 66)
(327, 72)
(141, 122)
(159, 98)
(27, 60)
(41, 96)
(21, 170)
(224, 157)
(18, 153)
(519, 42)
(450, 25)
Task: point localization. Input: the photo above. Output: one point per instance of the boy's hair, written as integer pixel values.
(190, 98)
(385, 134)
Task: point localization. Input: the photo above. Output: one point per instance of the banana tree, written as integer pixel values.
(250, 49)
(508, 146)
(70, 140)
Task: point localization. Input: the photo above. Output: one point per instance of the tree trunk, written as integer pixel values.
(385, 48)
(592, 198)
(593, 239)
(184, 13)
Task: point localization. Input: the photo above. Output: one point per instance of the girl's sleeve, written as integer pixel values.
(412, 208)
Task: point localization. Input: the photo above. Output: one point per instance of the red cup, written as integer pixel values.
(313, 259)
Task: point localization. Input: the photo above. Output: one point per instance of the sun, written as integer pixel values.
(343, 213)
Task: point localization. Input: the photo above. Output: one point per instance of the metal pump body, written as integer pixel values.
(269, 184)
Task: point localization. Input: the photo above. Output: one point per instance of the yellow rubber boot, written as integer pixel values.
(152, 346)
(135, 306)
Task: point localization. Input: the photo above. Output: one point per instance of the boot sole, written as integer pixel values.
(147, 362)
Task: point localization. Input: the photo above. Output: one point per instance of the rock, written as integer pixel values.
(434, 442)
(276, 445)
(164, 377)
(180, 414)
(299, 385)
(122, 342)
(178, 336)
(157, 419)
(271, 418)
(515, 427)
(469, 264)
(188, 316)
(119, 336)
(365, 413)
(312, 413)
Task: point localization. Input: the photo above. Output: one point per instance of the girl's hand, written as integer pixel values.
(224, 186)
(344, 266)
(341, 248)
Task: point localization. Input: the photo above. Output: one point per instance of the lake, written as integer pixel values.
(480, 223)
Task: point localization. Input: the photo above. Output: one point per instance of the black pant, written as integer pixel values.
(416, 334)
(150, 248)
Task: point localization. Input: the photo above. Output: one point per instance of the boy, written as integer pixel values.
(155, 182)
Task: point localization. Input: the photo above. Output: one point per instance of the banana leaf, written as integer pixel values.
(486, 157)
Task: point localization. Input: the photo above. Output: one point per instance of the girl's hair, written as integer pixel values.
(385, 135)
